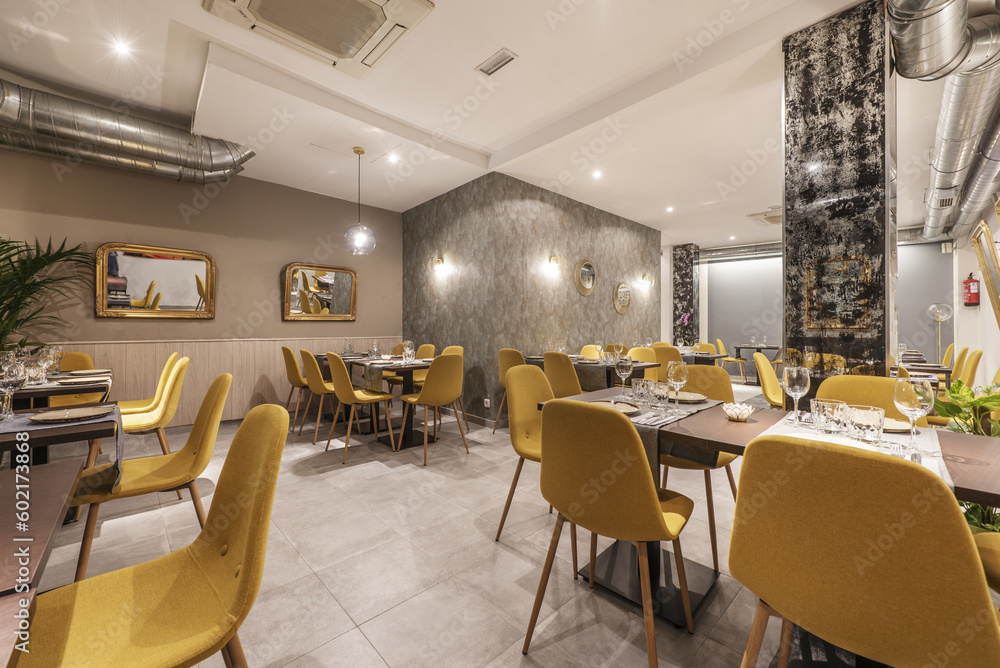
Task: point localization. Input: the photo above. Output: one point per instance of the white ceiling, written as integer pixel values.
(667, 122)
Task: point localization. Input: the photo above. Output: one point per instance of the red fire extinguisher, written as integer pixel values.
(970, 291)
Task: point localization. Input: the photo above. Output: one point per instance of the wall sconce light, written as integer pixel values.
(440, 268)
(646, 282)
(552, 266)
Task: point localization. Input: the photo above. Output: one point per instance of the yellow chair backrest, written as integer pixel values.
(509, 358)
(589, 351)
(230, 549)
(304, 304)
(705, 348)
(712, 381)
(145, 301)
(342, 385)
(946, 360)
(197, 451)
(561, 374)
(155, 306)
(443, 383)
(956, 371)
(162, 413)
(899, 586)
(526, 387)
(454, 350)
(901, 372)
(619, 348)
(665, 354)
(769, 384)
(292, 368)
(76, 362)
(722, 347)
(425, 351)
(996, 377)
(864, 391)
(161, 385)
(200, 285)
(641, 354)
(314, 375)
(581, 442)
(971, 367)
(398, 348)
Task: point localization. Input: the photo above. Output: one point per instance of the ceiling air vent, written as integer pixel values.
(946, 202)
(351, 35)
(496, 61)
(768, 218)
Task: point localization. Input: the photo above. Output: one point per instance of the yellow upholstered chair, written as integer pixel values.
(148, 299)
(307, 285)
(996, 378)
(580, 442)
(777, 361)
(149, 475)
(425, 351)
(619, 348)
(896, 586)
(865, 391)
(769, 384)
(901, 372)
(386, 375)
(349, 396)
(956, 371)
(295, 378)
(73, 361)
(155, 305)
(729, 359)
(143, 405)
(182, 608)
(442, 386)
(794, 357)
(714, 383)
(318, 387)
(946, 359)
(589, 351)
(159, 416)
(641, 354)
(305, 304)
(509, 358)
(970, 368)
(527, 386)
(705, 348)
(561, 374)
(988, 544)
(199, 285)
(824, 361)
(665, 354)
(460, 351)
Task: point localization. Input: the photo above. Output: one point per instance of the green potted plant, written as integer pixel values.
(32, 279)
(972, 414)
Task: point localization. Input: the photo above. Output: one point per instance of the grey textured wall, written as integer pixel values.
(495, 235)
(838, 89)
(925, 278)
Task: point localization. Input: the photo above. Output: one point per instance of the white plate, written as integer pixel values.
(71, 414)
(688, 397)
(88, 380)
(90, 372)
(620, 406)
(893, 426)
(426, 359)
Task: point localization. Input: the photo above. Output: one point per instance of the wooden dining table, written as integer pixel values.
(638, 368)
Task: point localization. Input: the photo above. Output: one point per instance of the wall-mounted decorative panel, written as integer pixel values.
(838, 225)
(686, 306)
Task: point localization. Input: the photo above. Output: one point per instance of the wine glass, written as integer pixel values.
(677, 375)
(753, 340)
(649, 342)
(46, 358)
(6, 358)
(914, 399)
(57, 353)
(763, 340)
(12, 378)
(795, 382)
(623, 367)
(599, 346)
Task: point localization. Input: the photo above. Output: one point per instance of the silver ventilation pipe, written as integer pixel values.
(32, 121)
(933, 39)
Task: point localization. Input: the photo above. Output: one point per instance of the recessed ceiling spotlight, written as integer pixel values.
(121, 47)
(670, 209)
(393, 158)
(732, 238)
(597, 174)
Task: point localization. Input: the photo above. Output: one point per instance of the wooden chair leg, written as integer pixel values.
(388, 424)
(663, 481)
(711, 519)
(225, 657)
(199, 509)
(305, 413)
(425, 433)
(336, 416)
(298, 400)
(544, 581)
(162, 436)
(743, 373)
(499, 410)
(732, 479)
(572, 542)
(350, 425)
(464, 414)
(593, 557)
(647, 604)
(288, 402)
(319, 416)
(95, 447)
(236, 654)
(465, 442)
(87, 542)
(682, 581)
(510, 496)
(784, 648)
(756, 639)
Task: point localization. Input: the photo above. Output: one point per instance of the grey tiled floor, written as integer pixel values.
(384, 562)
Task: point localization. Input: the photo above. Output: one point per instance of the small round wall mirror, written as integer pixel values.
(585, 276)
(623, 296)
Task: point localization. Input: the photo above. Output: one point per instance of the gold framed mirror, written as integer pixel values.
(135, 281)
(989, 264)
(622, 297)
(319, 292)
(585, 277)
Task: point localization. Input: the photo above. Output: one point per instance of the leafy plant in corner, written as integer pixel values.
(32, 278)
(972, 414)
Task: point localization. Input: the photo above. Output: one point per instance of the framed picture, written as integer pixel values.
(839, 294)
(989, 264)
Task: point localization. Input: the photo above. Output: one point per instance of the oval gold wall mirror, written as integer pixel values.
(585, 276)
(622, 297)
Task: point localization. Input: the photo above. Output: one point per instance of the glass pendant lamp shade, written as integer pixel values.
(359, 239)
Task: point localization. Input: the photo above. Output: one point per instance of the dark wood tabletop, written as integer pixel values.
(65, 433)
(50, 489)
(52, 390)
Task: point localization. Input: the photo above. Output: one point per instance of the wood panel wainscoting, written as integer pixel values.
(257, 366)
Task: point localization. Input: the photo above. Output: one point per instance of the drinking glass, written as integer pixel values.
(599, 345)
(35, 371)
(649, 342)
(623, 367)
(753, 340)
(12, 378)
(913, 398)
(795, 382)
(828, 415)
(375, 348)
(349, 348)
(57, 352)
(900, 351)
(660, 396)
(21, 354)
(763, 340)
(640, 391)
(864, 423)
(677, 375)
(6, 358)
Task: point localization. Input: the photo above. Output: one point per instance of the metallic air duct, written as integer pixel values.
(32, 121)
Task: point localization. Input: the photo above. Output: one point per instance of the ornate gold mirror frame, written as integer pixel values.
(319, 292)
(136, 281)
(622, 297)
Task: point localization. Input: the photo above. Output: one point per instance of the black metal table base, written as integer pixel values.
(617, 570)
(416, 439)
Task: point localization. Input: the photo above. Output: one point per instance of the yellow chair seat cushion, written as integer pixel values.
(725, 459)
(135, 405)
(936, 420)
(386, 375)
(410, 398)
(677, 510)
(139, 476)
(369, 397)
(139, 422)
(988, 544)
(734, 359)
(419, 376)
(91, 623)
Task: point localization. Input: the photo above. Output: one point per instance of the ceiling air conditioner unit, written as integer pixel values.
(351, 35)
(772, 216)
